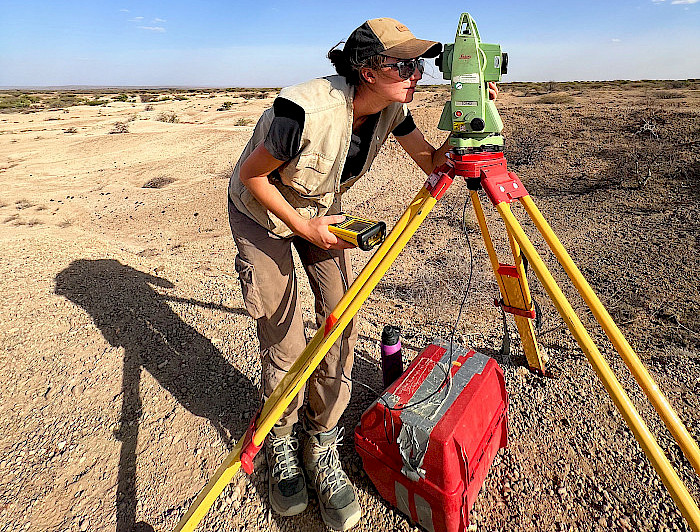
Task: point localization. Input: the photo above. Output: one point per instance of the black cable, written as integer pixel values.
(448, 373)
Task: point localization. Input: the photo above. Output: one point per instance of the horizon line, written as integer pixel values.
(229, 87)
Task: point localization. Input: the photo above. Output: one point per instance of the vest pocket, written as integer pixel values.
(311, 175)
(249, 287)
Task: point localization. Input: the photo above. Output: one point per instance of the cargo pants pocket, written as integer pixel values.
(249, 288)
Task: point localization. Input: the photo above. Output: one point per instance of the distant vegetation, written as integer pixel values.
(171, 118)
(555, 98)
(120, 127)
(31, 100)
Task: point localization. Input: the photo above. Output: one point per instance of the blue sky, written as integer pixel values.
(277, 43)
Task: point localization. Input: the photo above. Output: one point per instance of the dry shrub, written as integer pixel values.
(119, 127)
(678, 84)
(524, 149)
(158, 182)
(669, 95)
(251, 95)
(70, 130)
(23, 204)
(226, 172)
(243, 122)
(555, 98)
(149, 107)
(170, 118)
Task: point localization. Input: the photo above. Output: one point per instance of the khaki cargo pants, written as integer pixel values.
(266, 271)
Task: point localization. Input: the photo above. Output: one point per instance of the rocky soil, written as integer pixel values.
(129, 365)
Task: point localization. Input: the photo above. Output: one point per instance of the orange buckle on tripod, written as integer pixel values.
(516, 311)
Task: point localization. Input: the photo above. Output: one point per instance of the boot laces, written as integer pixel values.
(330, 477)
(285, 457)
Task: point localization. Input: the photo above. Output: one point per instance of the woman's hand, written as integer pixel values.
(493, 90)
(316, 231)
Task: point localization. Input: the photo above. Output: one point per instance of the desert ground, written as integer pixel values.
(129, 365)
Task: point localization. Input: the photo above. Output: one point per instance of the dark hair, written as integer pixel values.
(349, 69)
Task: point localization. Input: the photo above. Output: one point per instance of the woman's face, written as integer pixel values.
(389, 83)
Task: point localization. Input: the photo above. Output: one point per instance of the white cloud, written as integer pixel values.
(136, 19)
(159, 20)
(616, 40)
(124, 11)
(685, 2)
(158, 29)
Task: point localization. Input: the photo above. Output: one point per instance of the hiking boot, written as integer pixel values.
(340, 508)
(286, 483)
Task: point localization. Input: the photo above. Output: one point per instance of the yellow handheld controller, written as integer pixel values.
(365, 234)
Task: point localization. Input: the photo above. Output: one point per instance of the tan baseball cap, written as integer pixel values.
(387, 36)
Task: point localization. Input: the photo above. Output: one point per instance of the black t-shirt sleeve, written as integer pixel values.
(405, 127)
(284, 136)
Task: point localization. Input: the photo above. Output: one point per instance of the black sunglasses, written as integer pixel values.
(406, 67)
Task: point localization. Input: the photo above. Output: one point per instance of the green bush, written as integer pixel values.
(63, 100)
(20, 101)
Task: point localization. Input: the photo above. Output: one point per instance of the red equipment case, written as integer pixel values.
(429, 441)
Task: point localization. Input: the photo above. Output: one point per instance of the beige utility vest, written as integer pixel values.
(311, 180)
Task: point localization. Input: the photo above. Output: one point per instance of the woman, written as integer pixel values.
(312, 145)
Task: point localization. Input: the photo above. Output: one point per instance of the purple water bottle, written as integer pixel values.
(392, 362)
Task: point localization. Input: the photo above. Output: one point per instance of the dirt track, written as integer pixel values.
(129, 363)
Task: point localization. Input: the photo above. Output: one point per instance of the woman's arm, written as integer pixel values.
(254, 175)
(421, 151)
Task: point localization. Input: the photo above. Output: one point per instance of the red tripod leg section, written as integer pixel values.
(502, 187)
(249, 450)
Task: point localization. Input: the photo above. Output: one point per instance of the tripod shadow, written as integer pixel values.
(131, 314)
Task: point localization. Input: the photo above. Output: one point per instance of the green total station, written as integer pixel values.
(469, 65)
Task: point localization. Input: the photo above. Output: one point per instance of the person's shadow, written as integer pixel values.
(132, 315)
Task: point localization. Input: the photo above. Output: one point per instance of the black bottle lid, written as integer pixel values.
(390, 335)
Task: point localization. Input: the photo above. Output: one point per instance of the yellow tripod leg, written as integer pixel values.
(346, 309)
(651, 389)
(513, 287)
(646, 440)
(520, 293)
(322, 341)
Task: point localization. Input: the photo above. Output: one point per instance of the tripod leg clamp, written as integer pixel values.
(440, 180)
(502, 186)
(531, 314)
(250, 450)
